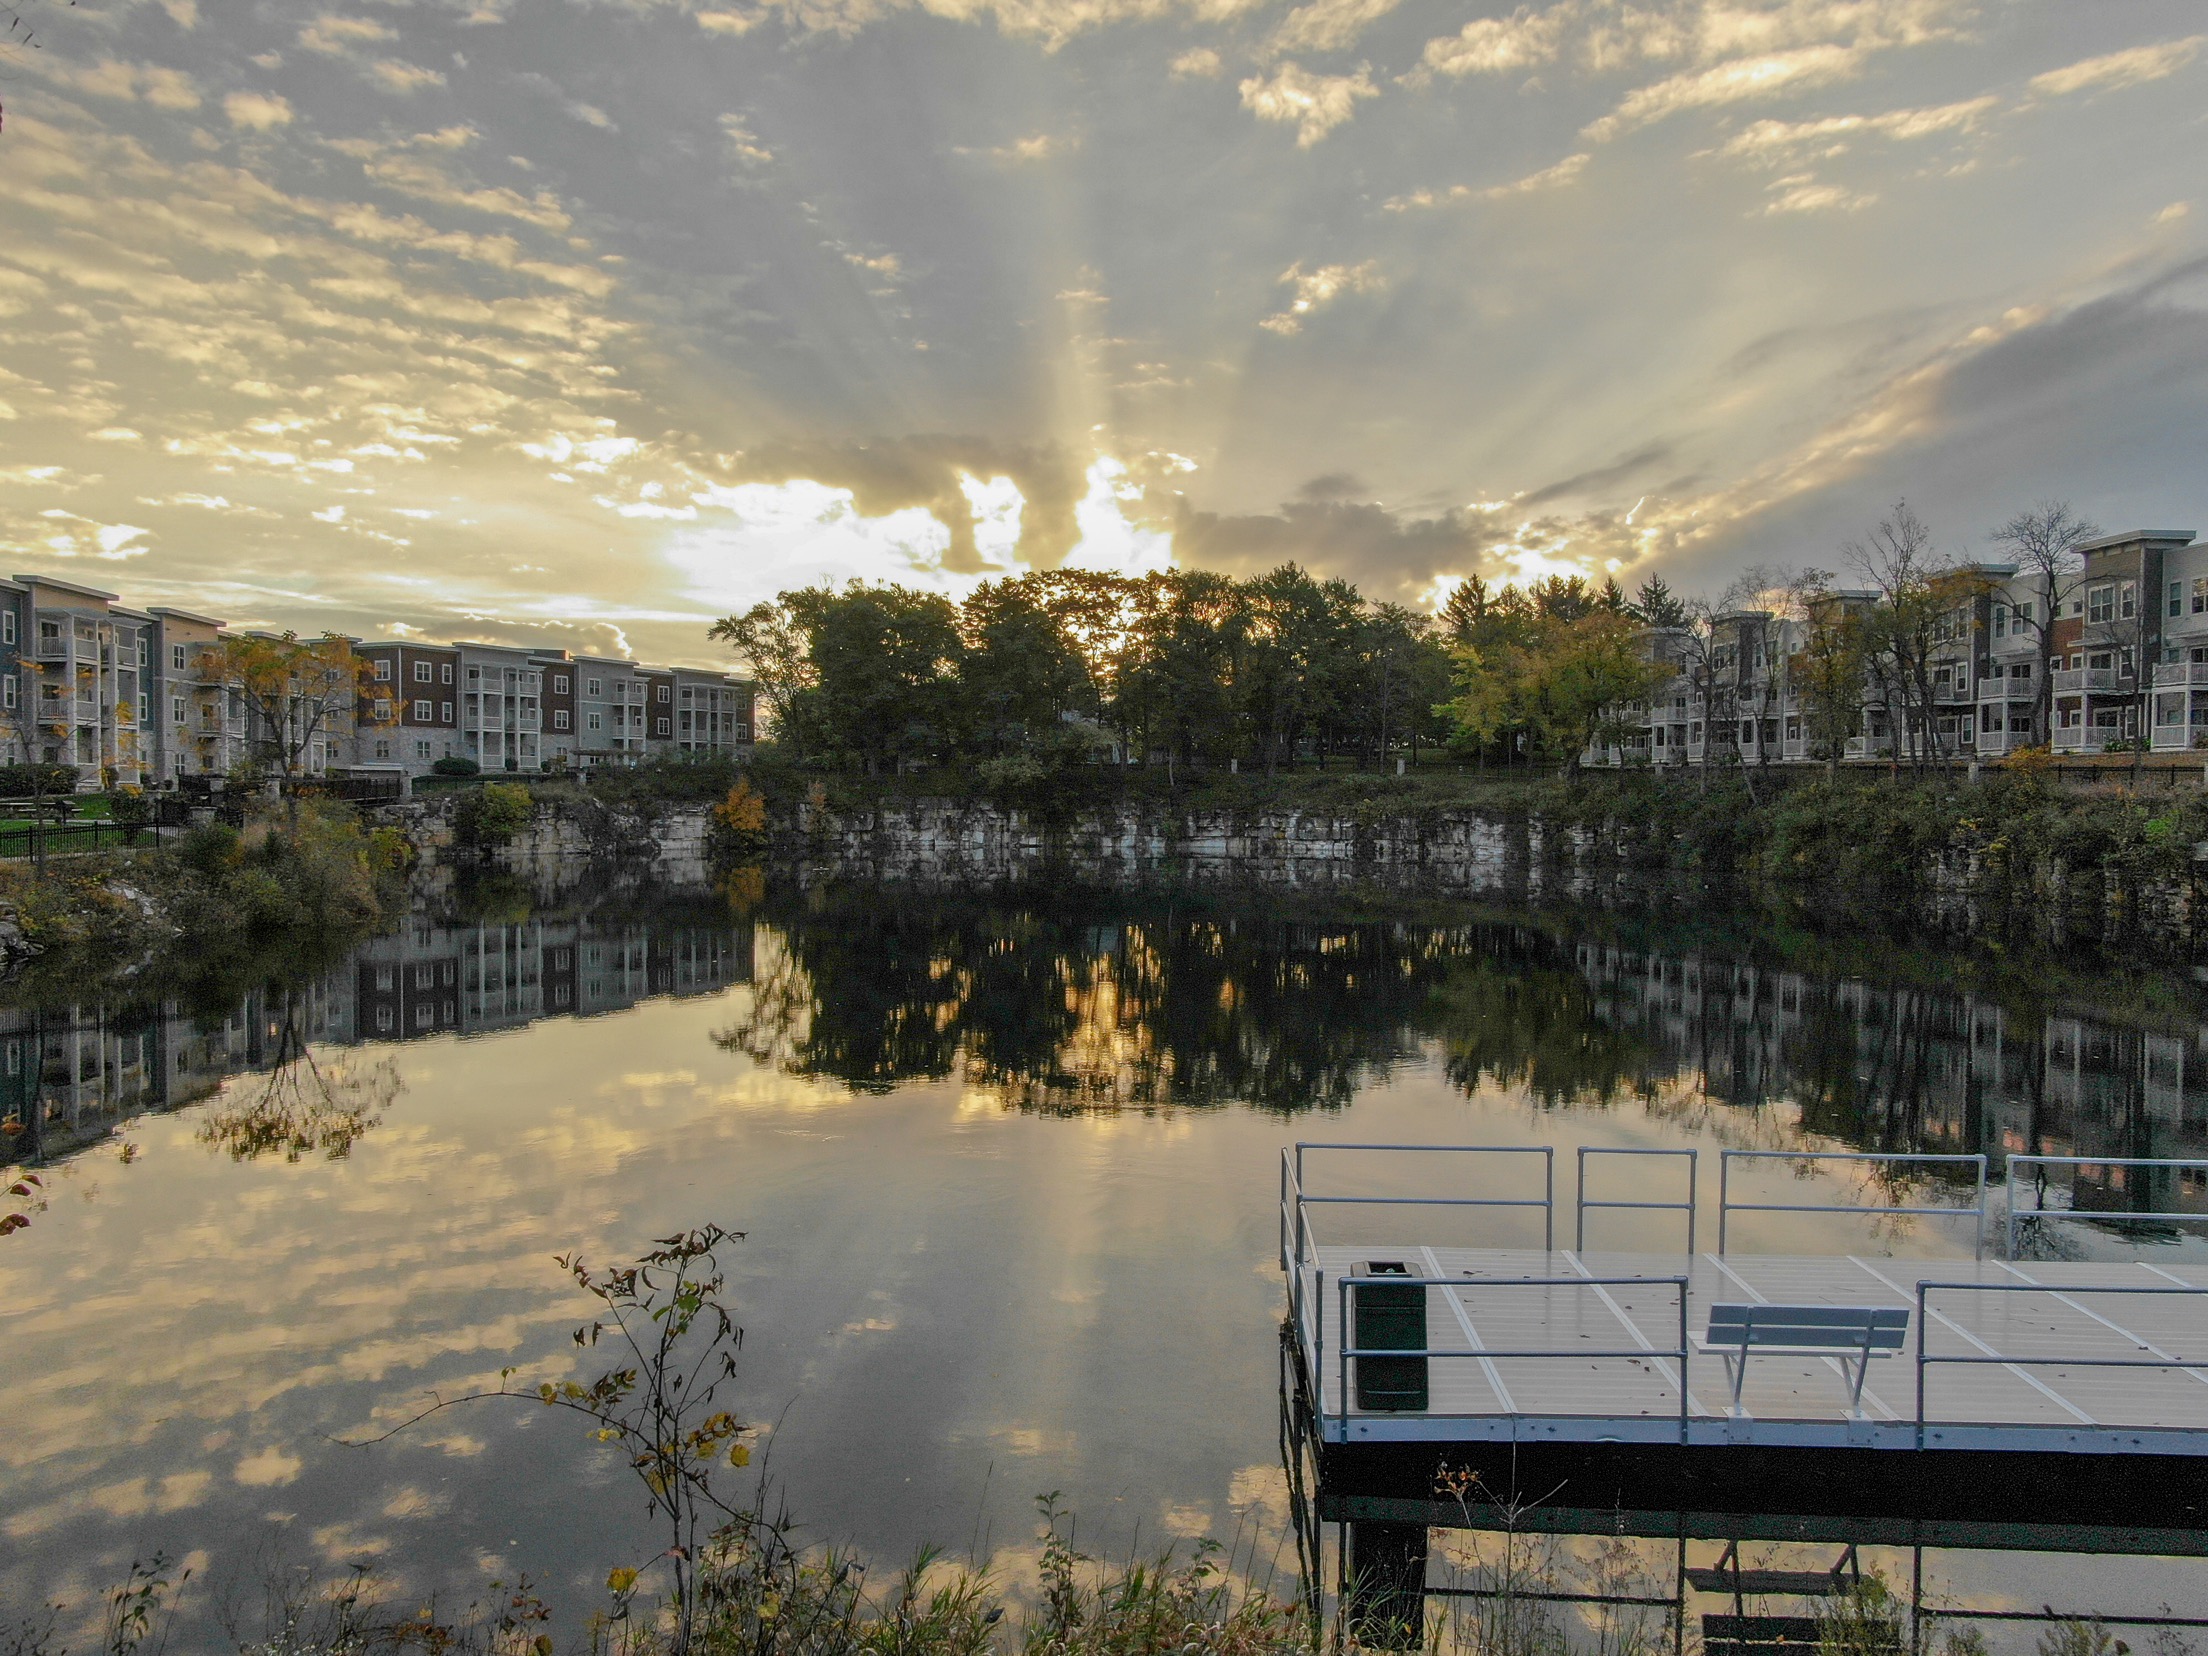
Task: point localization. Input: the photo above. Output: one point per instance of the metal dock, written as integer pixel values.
(1604, 1369)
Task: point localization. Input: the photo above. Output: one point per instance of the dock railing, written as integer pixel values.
(2038, 1187)
(1986, 1357)
(1583, 1202)
(1726, 1206)
(1485, 1355)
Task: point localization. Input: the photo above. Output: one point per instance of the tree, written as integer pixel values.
(300, 697)
(2045, 542)
(770, 641)
(1828, 671)
(1465, 609)
(1020, 676)
(1925, 600)
(886, 660)
(1567, 681)
(1656, 605)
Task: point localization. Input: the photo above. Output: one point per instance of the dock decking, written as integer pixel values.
(1558, 1346)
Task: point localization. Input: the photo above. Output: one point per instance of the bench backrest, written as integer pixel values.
(1839, 1327)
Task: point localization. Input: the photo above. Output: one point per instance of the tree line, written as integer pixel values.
(1195, 668)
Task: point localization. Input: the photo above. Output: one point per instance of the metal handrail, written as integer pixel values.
(2039, 1204)
(1992, 1358)
(1343, 1285)
(1546, 1201)
(1727, 1206)
(1694, 1174)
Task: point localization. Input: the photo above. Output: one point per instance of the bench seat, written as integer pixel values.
(1858, 1331)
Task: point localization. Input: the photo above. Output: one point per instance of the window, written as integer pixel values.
(383, 707)
(2001, 620)
(10, 689)
(559, 684)
(664, 726)
(176, 658)
(2100, 605)
(593, 687)
(421, 750)
(421, 672)
(665, 696)
(383, 672)
(559, 718)
(2177, 597)
(424, 711)
(446, 716)
(2200, 595)
(2127, 599)
(444, 673)
(591, 721)
(383, 750)
(49, 635)
(176, 710)
(7, 636)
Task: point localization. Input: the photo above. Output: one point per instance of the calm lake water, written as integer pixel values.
(1006, 1167)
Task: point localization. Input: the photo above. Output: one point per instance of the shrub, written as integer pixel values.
(454, 764)
(739, 830)
(493, 814)
(130, 810)
(23, 781)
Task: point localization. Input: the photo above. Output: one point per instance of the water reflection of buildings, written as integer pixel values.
(69, 1074)
(1898, 1066)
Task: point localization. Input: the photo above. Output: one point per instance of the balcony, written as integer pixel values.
(2175, 675)
(2103, 679)
(1996, 688)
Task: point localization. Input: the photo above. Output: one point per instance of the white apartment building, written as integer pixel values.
(501, 707)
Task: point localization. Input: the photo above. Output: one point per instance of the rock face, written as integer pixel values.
(1466, 852)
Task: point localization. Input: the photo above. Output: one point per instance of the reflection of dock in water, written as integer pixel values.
(1717, 1400)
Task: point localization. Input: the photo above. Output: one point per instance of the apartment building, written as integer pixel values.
(712, 712)
(138, 697)
(199, 722)
(559, 709)
(611, 711)
(2127, 631)
(75, 676)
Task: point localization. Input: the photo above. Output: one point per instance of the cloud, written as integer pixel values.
(335, 36)
(1039, 146)
(1803, 194)
(156, 84)
(391, 75)
(1387, 554)
(1197, 63)
(727, 23)
(1334, 485)
(1779, 141)
(257, 111)
(1316, 289)
(1328, 25)
(1740, 80)
(742, 144)
(1499, 45)
(1316, 104)
(1548, 178)
(2132, 67)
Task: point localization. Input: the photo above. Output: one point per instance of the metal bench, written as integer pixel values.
(1859, 1331)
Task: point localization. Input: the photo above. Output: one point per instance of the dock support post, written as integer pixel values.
(1384, 1600)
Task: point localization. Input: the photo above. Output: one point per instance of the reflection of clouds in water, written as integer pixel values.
(273, 1465)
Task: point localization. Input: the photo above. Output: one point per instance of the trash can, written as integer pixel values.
(1385, 1317)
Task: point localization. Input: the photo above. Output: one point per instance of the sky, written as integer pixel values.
(583, 322)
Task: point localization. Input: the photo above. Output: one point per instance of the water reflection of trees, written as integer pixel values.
(1073, 1001)
(1088, 1003)
(302, 1103)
